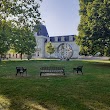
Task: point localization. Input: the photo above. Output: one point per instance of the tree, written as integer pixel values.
(49, 48)
(30, 44)
(23, 41)
(94, 31)
(22, 12)
(23, 15)
(5, 28)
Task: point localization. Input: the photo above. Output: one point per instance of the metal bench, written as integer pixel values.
(21, 70)
(78, 69)
(52, 70)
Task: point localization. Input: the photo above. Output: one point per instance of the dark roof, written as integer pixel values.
(42, 31)
(66, 38)
(52, 39)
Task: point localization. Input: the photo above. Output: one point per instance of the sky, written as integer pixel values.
(61, 17)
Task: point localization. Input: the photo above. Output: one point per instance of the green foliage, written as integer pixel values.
(94, 28)
(24, 41)
(49, 48)
(23, 12)
(5, 28)
(17, 19)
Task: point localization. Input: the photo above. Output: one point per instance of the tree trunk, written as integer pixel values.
(21, 56)
(0, 58)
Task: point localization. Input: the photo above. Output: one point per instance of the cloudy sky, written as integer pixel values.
(61, 16)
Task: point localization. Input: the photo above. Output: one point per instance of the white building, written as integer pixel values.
(65, 46)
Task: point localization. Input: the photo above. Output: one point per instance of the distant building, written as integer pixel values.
(65, 46)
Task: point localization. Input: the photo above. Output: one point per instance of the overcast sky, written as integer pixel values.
(61, 16)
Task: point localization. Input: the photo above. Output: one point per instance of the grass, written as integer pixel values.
(90, 91)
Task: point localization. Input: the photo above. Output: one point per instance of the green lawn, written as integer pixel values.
(90, 91)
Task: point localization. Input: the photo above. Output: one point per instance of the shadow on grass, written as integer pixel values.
(73, 92)
(102, 65)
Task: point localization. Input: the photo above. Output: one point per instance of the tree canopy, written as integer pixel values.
(49, 48)
(23, 41)
(5, 28)
(94, 27)
(23, 12)
(17, 19)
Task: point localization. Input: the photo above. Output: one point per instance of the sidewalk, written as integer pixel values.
(93, 58)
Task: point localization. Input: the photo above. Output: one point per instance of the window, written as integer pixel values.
(52, 39)
(62, 38)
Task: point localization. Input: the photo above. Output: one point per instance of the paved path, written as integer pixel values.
(94, 58)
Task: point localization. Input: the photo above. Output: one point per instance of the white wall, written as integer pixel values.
(74, 46)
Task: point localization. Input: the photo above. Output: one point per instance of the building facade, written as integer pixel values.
(65, 46)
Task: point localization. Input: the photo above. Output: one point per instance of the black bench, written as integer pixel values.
(78, 69)
(52, 70)
(21, 70)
